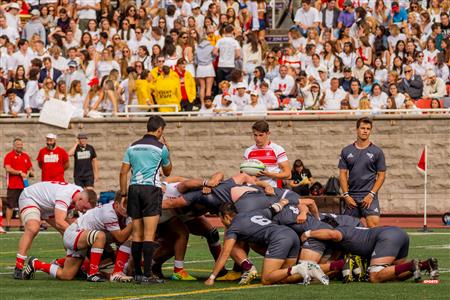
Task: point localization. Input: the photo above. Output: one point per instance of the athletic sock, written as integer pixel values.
(178, 265)
(60, 261)
(215, 250)
(42, 266)
(53, 270)
(20, 261)
(402, 268)
(337, 265)
(95, 258)
(246, 265)
(122, 256)
(85, 266)
(424, 265)
(136, 253)
(148, 249)
(1, 218)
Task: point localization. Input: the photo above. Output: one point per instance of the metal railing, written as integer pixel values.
(268, 113)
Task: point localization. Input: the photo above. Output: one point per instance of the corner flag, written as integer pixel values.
(422, 165)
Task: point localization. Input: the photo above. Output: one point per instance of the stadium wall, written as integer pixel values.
(200, 146)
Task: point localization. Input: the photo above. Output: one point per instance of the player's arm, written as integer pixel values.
(192, 184)
(123, 179)
(13, 171)
(121, 236)
(166, 163)
(71, 151)
(303, 215)
(323, 234)
(60, 220)
(343, 181)
(311, 205)
(95, 168)
(221, 261)
(284, 174)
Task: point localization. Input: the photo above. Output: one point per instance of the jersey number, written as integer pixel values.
(260, 220)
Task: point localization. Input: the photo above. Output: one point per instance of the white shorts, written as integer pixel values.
(205, 71)
(70, 239)
(28, 209)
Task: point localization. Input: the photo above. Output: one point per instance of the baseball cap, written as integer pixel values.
(35, 13)
(430, 73)
(195, 5)
(241, 85)
(322, 68)
(347, 69)
(14, 6)
(51, 136)
(348, 3)
(82, 136)
(72, 63)
(254, 93)
(94, 81)
(227, 97)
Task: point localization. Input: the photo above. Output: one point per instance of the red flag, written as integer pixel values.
(422, 164)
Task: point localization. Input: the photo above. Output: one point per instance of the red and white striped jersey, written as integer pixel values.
(49, 195)
(271, 155)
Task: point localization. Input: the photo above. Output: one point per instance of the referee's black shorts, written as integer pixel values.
(144, 201)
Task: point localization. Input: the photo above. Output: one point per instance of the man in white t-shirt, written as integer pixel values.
(51, 201)
(271, 154)
(241, 98)
(228, 50)
(22, 56)
(267, 97)
(254, 108)
(9, 31)
(307, 17)
(86, 11)
(333, 96)
(285, 83)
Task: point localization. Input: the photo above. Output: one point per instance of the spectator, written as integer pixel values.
(347, 16)
(355, 94)
(378, 98)
(254, 108)
(76, 98)
(434, 87)
(14, 104)
(167, 90)
(8, 29)
(398, 15)
(283, 82)
(391, 103)
(34, 26)
(330, 15)
(411, 84)
(344, 82)
(86, 171)
(48, 71)
(398, 97)
(306, 17)
(187, 85)
(18, 167)
(207, 109)
(224, 105)
(228, 50)
(72, 74)
(332, 97)
(267, 97)
(52, 160)
(205, 69)
(47, 92)
(31, 104)
(86, 11)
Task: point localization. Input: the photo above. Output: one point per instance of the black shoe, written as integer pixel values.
(22, 228)
(43, 227)
(433, 268)
(141, 279)
(95, 278)
(29, 270)
(7, 228)
(157, 271)
(18, 274)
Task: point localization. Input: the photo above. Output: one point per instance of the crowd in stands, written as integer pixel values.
(212, 55)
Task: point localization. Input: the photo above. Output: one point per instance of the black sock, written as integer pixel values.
(136, 253)
(148, 249)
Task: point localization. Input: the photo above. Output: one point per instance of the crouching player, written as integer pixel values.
(282, 242)
(386, 248)
(50, 201)
(88, 231)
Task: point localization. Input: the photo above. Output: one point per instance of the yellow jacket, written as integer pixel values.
(143, 91)
(167, 91)
(189, 85)
(155, 74)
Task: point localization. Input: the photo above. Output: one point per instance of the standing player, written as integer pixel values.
(18, 168)
(362, 171)
(271, 154)
(53, 160)
(88, 231)
(50, 201)
(145, 157)
(85, 171)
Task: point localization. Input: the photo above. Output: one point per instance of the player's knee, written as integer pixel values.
(212, 236)
(32, 227)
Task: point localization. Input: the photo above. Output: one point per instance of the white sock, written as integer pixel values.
(179, 264)
(53, 270)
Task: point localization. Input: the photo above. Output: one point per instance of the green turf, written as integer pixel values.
(49, 246)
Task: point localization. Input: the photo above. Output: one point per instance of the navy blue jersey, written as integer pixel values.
(255, 227)
(288, 216)
(343, 220)
(223, 190)
(363, 165)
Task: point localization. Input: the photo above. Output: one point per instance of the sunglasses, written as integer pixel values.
(270, 57)
(184, 37)
(138, 32)
(408, 71)
(126, 51)
(161, 61)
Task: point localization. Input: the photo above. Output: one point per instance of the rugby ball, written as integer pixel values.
(252, 167)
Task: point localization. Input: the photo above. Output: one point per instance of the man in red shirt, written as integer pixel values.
(18, 168)
(53, 160)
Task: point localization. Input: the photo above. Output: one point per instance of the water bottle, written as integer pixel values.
(25, 182)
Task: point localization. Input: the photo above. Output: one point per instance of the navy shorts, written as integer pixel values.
(392, 241)
(283, 244)
(361, 212)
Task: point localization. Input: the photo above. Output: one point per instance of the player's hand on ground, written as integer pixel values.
(209, 282)
(269, 190)
(367, 201)
(350, 202)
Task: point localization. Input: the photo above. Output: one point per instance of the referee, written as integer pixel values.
(362, 170)
(145, 157)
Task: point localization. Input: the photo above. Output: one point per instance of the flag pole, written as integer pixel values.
(425, 225)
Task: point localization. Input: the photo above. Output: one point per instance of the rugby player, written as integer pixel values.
(88, 231)
(282, 242)
(50, 201)
(386, 248)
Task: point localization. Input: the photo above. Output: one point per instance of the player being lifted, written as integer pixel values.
(50, 201)
(88, 231)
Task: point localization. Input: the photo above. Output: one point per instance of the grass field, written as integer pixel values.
(48, 246)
